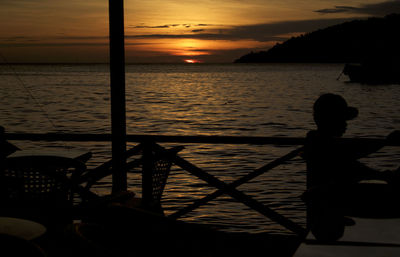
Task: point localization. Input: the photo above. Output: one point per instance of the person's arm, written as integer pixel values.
(361, 172)
(394, 137)
(357, 150)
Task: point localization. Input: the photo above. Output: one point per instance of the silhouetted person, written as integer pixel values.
(334, 173)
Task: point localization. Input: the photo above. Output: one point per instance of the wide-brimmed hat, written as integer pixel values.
(333, 106)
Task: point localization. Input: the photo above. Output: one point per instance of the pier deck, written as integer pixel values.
(368, 237)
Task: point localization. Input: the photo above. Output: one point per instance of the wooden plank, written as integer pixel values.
(62, 152)
(181, 139)
(368, 237)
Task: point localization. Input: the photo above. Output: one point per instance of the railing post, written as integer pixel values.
(117, 84)
(147, 169)
(308, 186)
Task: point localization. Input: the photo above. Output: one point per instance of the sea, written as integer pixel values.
(273, 100)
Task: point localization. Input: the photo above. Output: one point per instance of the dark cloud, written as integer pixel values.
(258, 32)
(209, 36)
(270, 32)
(79, 37)
(274, 31)
(39, 44)
(150, 27)
(72, 44)
(203, 25)
(378, 9)
(16, 3)
(170, 25)
(213, 56)
(18, 39)
(155, 27)
(337, 9)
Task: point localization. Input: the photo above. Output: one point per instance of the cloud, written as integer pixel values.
(213, 56)
(264, 33)
(169, 26)
(203, 25)
(36, 44)
(257, 32)
(17, 3)
(378, 9)
(209, 36)
(154, 27)
(72, 44)
(150, 27)
(337, 9)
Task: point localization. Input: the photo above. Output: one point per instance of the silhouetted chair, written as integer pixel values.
(154, 165)
(40, 188)
(121, 214)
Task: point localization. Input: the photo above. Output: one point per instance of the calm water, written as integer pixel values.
(240, 100)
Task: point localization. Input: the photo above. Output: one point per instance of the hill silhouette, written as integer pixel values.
(354, 41)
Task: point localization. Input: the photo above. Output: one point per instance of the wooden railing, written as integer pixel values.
(222, 187)
(179, 139)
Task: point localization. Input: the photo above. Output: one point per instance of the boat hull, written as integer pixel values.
(372, 74)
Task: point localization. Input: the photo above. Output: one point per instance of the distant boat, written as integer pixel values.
(373, 73)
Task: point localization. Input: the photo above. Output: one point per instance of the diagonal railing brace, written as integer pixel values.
(236, 183)
(240, 196)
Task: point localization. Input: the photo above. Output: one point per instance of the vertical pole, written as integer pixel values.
(117, 84)
(147, 170)
(309, 180)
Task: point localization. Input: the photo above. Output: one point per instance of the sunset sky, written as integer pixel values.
(166, 30)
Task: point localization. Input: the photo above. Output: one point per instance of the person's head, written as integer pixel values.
(331, 113)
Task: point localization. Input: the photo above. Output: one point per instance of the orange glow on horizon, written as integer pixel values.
(192, 61)
(213, 31)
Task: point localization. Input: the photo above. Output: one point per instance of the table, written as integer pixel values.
(82, 156)
(21, 228)
(367, 238)
(36, 166)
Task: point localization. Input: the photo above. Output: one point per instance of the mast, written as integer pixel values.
(117, 84)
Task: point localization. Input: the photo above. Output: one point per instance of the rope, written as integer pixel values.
(40, 105)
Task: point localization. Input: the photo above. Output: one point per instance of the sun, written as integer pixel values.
(191, 61)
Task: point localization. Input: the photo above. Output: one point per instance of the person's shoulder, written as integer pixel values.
(315, 138)
(312, 134)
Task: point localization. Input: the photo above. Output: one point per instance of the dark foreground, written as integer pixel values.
(127, 232)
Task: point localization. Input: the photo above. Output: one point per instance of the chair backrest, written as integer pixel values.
(39, 181)
(160, 166)
(156, 164)
(161, 169)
